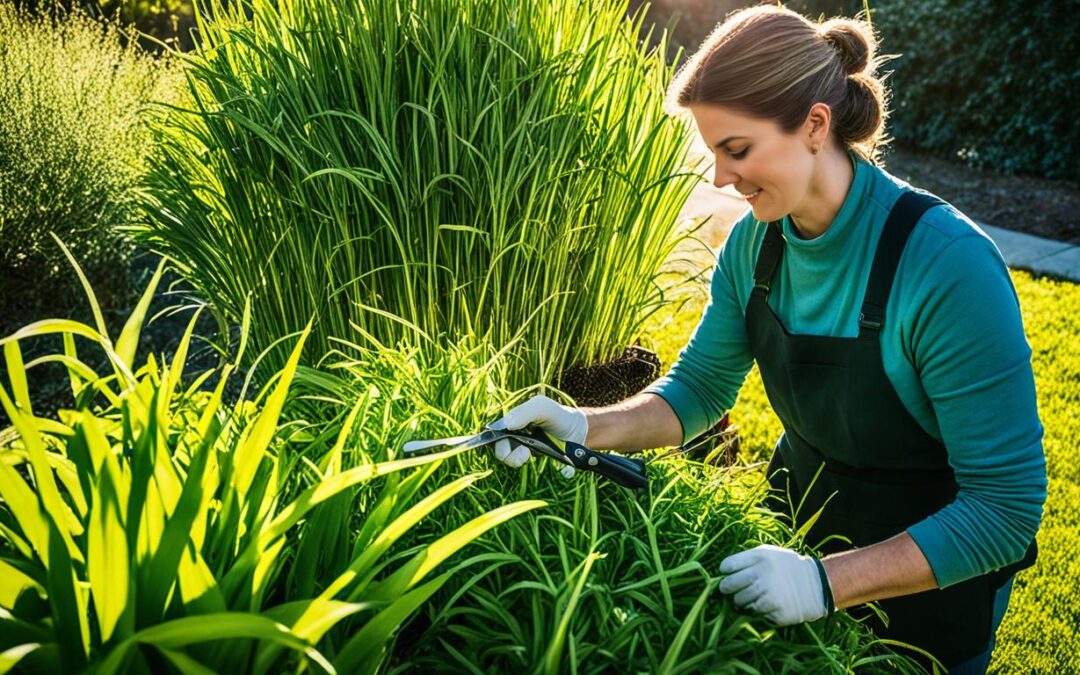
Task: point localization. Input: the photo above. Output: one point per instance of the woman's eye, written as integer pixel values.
(740, 154)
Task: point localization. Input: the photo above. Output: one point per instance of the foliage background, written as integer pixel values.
(455, 168)
(994, 84)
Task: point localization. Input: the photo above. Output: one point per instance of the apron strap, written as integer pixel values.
(771, 249)
(901, 221)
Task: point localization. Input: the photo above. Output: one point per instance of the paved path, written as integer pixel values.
(1037, 255)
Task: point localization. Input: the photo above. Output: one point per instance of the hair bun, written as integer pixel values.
(860, 117)
(852, 40)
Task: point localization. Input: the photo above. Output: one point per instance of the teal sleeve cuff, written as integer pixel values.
(686, 404)
(943, 557)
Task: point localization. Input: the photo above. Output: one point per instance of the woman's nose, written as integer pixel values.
(723, 177)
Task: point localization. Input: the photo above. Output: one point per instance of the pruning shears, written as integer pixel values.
(624, 471)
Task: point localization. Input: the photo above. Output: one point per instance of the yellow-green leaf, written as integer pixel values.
(198, 588)
(426, 560)
(671, 659)
(128, 342)
(11, 657)
(44, 482)
(176, 366)
(52, 326)
(364, 651)
(13, 583)
(180, 633)
(329, 487)
(108, 562)
(252, 447)
(98, 319)
(391, 533)
(74, 376)
(17, 374)
(553, 655)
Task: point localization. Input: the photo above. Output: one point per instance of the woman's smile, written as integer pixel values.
(752, 196)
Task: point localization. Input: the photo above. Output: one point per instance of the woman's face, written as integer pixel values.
(771, 169)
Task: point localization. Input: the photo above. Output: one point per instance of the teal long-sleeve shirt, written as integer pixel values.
(953, 347)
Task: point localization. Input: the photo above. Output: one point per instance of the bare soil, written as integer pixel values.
(1038, 206)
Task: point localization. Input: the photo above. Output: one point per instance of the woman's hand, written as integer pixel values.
(560, 421)
(778, 583)
(642, 421)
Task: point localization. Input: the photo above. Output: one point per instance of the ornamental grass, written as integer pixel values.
(488, 168)
(73, 140)
(153, 527)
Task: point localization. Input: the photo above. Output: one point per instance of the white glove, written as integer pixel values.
(560, 421)
(778, 583)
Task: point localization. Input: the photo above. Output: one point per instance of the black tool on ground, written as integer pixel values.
(625, 471)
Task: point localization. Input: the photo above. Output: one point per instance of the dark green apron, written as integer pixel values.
(839, 409)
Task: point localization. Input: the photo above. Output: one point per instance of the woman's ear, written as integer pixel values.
(816, 127)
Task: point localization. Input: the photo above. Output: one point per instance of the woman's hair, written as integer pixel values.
(771, 63)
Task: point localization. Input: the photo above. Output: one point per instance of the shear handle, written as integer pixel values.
(623, 471)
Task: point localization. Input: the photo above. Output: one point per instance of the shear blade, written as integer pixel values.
(417, 446)
(470, 441)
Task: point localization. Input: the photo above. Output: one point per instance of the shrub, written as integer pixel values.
(989, 83)
(164, 21)
(465, 168)
(72, 143)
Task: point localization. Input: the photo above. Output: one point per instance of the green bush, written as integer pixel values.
(164, 21)
(153, 527)
(991, 84)
(72, 145)
(994, 84)
(458, 167)
(603, 579)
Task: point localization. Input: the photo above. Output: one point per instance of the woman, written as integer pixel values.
(889, 339)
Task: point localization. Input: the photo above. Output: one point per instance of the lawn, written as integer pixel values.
(1039, 630)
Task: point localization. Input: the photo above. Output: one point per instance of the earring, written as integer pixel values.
(814, 149)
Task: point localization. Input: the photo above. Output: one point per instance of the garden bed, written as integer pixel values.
(1029, 204)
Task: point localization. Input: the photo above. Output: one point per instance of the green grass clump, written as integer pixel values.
(607, 579)
(1039, 633)
(473, 168)
(603, 578)
(73, 138)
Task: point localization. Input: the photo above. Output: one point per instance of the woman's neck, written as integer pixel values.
(829, 186)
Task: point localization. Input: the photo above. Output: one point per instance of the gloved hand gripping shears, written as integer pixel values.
(626, 471)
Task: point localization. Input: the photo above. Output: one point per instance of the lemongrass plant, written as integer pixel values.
(487, 168)
(151, 527)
